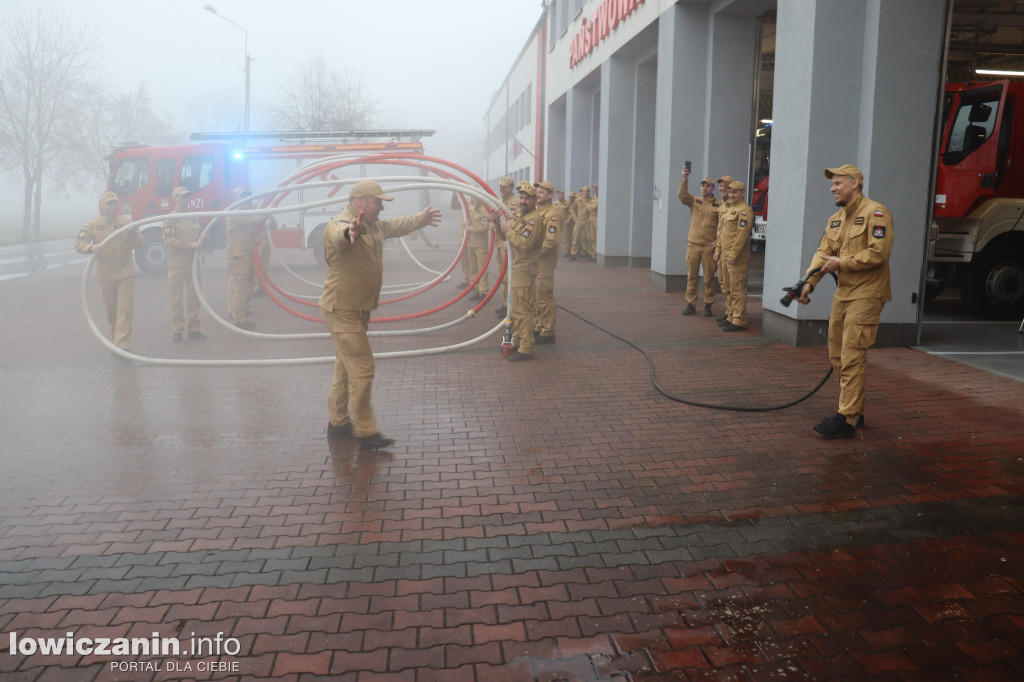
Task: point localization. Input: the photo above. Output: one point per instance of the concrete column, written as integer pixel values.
(616, 137)
(641, 199)
(834, 60)
(556, 146)
(578, 113)
(729, 113)
(679, 119)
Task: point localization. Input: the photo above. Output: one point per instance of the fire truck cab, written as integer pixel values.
(977, 239)
(144, 177)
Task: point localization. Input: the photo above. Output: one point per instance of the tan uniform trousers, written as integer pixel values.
(500, 258)
(852, 328)
(544, 291)
(523, 310)
(581, 239)
(349, 399)
(736, 274)
(700, 256)
(119, 300)
(178, 279)
(240, 286)
(567, 236)
(476, 260)
(467, 273)
(723, 281)
(592, 238)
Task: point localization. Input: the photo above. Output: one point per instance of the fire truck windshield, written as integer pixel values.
(130, 176)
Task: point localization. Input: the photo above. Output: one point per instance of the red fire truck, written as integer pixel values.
(144, 177)
(977, 240)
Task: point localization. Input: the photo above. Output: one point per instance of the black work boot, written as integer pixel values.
(689, 309)
(375, 442)
(342, 431)
(707, 310)
(835, 427)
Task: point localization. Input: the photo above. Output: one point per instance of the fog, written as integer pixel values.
(430, 65)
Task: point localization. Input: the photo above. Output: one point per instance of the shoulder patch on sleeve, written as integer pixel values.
(879, 214)
(878, 232)
(743, 223)
(83, 233)
(526, 232)
(168, 230)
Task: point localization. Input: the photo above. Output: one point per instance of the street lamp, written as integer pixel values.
(248, 60)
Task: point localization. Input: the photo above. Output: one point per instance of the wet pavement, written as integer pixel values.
(554, 520)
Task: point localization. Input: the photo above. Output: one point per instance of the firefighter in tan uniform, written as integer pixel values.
(570, 231)
(584, 214)
(592, 236)
(115, 268)
(182, 239)
(263, 251)
(723, 191)
(547, 261)
(506, 187)
(467, 273)
(478, 231)
(856, 246)
(565, 231)
(354, 254)
(525, 236)
(700, 250)
(241, 241)
(732, 253)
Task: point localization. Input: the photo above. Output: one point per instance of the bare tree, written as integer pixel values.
(44, 64)
(317, 98)
(103, 123)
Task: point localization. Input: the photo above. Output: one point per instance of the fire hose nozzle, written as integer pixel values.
(792, 293)
(506, 340)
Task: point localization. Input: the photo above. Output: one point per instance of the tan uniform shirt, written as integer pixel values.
(241, 236)
(478, 227)
(114, 262)
(355, 272)
(860, 235)
(734, 226)
(586, 210)
(562, 207)
(703, 216)
(178, 234)
(526, 238)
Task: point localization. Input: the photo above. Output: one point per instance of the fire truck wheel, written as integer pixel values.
(152, 256)
(993, 284)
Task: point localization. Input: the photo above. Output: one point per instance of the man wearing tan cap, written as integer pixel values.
(354, 254)
(586, 215)
(525, 236)
(700, 251)
(506, 186)
(115, 269)
(565, 234)
(732, 254)
(547, 261)
(856, 247)
(241, 231)
(723, 189)
(182, 239)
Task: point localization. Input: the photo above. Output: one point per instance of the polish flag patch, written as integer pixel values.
(879, 214)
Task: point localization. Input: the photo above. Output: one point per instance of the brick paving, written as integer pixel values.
(558, 520)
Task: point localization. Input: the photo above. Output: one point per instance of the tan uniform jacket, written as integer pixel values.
(355, 271)
(512, 204)
(734, 226)
(860, 235)
(178, 234)
(114, 262)
(479, 226)
(703, 216)
(563, 211)
(241, 236)
(552, 229)
(586, 210)
(526, 238)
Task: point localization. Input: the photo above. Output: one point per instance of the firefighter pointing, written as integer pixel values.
(856, 247)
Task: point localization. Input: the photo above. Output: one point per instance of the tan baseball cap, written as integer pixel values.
(737, 184)
(108, 196)
(506, 182)
(846, 169)
(546, 185)
(368, 188)
(180, 192)
(707, 181)
(725, 178)
(524, 186)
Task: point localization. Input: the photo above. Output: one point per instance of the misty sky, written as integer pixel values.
(427, 64)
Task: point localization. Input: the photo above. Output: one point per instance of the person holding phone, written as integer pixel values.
(700, 241)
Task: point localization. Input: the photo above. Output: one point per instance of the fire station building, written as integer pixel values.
(622, 92)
